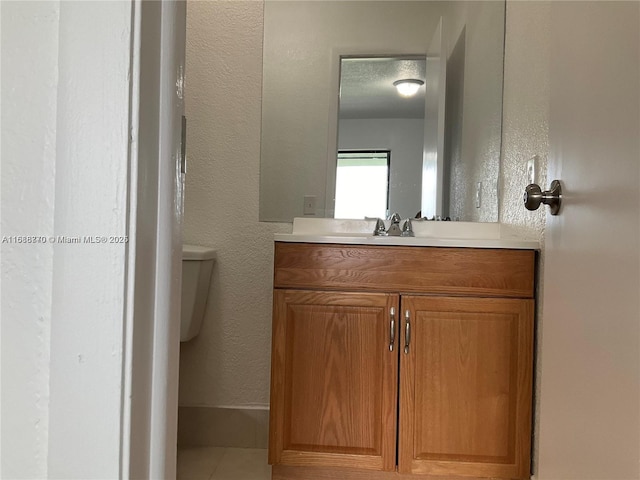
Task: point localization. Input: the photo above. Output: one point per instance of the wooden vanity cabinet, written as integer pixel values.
(351, 399)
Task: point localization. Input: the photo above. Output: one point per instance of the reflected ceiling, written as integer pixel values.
(367, 91)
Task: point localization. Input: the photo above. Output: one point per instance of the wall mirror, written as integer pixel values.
(337, 137)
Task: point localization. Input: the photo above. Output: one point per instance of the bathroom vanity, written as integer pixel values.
(401, 361)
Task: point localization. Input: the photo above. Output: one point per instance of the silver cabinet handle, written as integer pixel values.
(392, 332)
(407, 331)
(534, 196)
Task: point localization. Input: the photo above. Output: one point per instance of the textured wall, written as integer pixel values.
(525, 132)
(525, 112)
(229, 363)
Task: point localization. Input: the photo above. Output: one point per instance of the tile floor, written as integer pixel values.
(221, 463)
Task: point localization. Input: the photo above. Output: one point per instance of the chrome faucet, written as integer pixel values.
(394, 229)
(407, 229)
(379, 230)
(395, 218)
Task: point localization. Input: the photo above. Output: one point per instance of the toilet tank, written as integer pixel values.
(197, 266)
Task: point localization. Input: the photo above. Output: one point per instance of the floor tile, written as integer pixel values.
(198, 463)
(243, 464)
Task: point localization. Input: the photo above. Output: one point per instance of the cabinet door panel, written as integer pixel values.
(334, 380)
(465, 400)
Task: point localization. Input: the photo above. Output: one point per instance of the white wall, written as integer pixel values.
(155, 243)
(29, 109)
(65, 169)
(143, 245)
(590, 342)
(90, 198)
(403, 136)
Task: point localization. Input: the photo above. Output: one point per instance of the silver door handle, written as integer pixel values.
(407, 331)
(534, 196)
(392, 331)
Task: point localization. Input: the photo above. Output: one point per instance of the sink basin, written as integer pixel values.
(330, 226)
(427, 233)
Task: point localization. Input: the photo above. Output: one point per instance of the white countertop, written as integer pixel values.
(427, 234)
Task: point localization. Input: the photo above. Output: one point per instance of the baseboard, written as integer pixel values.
(223, 427)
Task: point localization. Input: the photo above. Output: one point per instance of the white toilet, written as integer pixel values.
(197, 266)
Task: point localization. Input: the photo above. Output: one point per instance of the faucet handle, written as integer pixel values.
(407, 228)
(395, 218)
(379, 230)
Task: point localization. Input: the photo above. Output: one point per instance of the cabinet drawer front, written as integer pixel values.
(456, 271)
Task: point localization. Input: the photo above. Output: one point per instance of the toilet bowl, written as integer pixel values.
(197, 266)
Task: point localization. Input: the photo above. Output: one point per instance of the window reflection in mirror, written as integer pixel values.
(362, 184)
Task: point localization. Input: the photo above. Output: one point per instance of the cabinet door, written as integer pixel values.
(465, 388)
(333, 380)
